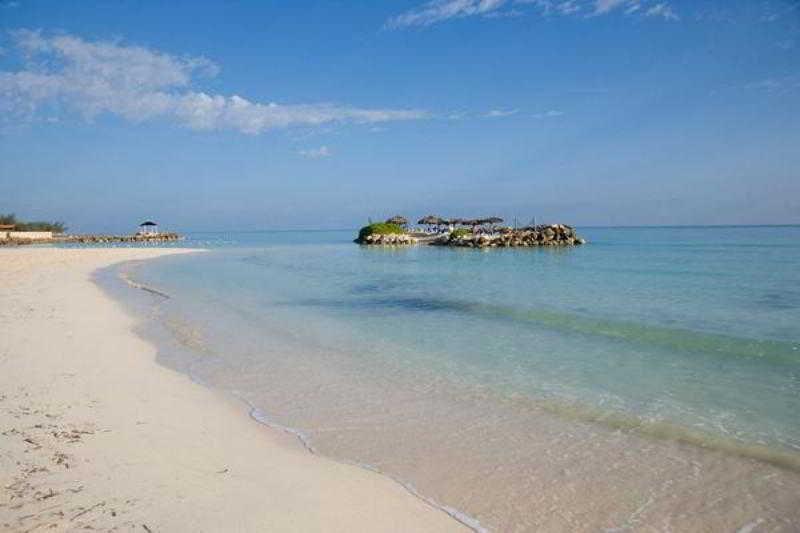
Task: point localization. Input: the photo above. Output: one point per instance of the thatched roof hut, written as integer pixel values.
(397, 219)
(432, 220)
(439, 221)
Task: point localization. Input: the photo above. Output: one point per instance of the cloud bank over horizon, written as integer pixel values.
(65, 73)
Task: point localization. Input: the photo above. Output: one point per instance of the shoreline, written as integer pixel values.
(97, 433)
(108, 279)
(561, 492)
(663, 431)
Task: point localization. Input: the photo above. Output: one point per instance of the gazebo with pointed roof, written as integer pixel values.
(148, 227)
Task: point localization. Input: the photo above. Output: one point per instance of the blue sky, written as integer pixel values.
(261, 115)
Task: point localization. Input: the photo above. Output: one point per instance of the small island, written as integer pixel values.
(466, 233)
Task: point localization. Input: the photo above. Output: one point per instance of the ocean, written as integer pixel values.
(648, 381)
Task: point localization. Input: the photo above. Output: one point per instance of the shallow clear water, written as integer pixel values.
(468, 373)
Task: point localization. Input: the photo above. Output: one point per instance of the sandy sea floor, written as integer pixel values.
(510, 459)
(94, 434)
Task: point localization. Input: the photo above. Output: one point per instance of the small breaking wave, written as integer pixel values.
(263, 418)
(126, 277)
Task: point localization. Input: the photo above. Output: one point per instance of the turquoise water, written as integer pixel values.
(690, 335)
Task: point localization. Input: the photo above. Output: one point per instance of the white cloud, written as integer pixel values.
(632, 7)
(769, 84)
(775, 85)
(508, 13)
(440, 10)
(136, 83)
(548, 114)
(567, 7)
(605, 6)
(497, 113)
(316, 153)
(662, 10)
(436, 11)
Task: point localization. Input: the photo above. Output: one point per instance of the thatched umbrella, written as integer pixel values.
(397, 219)
(431, 220)
(490, 221)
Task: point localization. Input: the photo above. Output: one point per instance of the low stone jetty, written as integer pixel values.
(102, 239)
(544, 235)
(17, 242)
(21, 240)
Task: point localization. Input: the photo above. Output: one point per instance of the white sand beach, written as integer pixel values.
(94, 434)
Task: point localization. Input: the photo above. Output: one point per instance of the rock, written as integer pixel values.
(388, 239)
(541, 235)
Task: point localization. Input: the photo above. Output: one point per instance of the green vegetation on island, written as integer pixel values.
(19, 225)
(380, 228)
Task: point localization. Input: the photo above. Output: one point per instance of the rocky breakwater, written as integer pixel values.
(103, 239)
(546, 235)
(388, 239)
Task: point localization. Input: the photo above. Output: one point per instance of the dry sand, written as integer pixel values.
(94, 434)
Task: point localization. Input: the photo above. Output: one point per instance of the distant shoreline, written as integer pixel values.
(578, 226)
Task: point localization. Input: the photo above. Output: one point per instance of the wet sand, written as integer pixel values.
(514, 464)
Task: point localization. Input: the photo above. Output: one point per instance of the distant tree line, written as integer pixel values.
(55, 227)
